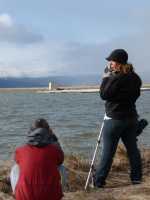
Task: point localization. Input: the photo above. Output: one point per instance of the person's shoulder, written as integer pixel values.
(55, 143)
(20, 144)
(137, 76)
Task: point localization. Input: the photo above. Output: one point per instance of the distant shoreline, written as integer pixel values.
(47, 88)
(62, 87)
(28, 88)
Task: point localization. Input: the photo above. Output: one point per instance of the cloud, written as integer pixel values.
(6, 20)
(80, 58)
(36, 60)
(71, 38)
(72, 58)
(13, 31)
(12, 72)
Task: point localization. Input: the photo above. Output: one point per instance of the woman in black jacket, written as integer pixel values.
(120, 89)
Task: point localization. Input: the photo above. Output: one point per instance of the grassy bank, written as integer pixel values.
(117, 187)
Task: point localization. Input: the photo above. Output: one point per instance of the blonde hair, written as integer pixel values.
(126, 68)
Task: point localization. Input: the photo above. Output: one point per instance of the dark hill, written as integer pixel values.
(44, 82)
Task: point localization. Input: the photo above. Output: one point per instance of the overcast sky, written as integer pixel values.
(41, 38)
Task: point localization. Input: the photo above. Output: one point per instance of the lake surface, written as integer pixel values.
(76, 118)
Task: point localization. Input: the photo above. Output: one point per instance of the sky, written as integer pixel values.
(41, 38)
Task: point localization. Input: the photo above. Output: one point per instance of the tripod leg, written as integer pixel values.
(91, 167)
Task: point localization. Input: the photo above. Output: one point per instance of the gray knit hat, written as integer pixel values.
(38, 123)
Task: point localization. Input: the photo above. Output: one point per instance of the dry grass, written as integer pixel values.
(117, 186)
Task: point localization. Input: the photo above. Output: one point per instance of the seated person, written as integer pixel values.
(38, 173)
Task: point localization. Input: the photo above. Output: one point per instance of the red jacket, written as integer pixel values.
(39, 178)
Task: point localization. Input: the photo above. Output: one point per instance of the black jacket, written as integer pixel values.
(121, 92)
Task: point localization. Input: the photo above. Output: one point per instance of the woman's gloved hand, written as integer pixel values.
(108, 72)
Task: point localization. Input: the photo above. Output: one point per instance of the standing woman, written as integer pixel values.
(120, 89)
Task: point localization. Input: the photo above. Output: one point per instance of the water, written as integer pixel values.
(76, 118)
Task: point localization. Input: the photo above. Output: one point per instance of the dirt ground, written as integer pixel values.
(117, 186)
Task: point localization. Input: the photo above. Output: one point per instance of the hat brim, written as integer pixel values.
(108, 58)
